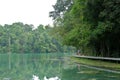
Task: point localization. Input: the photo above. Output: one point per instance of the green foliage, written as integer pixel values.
(92, 26)
(60, 7)
(22, 38)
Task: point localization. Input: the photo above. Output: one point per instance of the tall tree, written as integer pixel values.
(93, 26)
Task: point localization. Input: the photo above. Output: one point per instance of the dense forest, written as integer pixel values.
(93, 26)
(23, 38)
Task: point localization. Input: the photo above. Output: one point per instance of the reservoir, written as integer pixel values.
(24, 66)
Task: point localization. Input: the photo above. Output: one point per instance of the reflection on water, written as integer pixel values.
(45, 78)
(35, 77)
(22, 67)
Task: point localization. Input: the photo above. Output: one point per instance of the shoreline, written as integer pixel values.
(97, 63)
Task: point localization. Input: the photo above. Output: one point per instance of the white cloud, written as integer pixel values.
(27, 11)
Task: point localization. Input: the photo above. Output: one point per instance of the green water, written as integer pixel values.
(23, 66)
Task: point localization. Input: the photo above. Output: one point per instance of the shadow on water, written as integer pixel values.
(23, 66)
(83, 73)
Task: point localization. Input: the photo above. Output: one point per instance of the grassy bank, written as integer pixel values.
(97, 63)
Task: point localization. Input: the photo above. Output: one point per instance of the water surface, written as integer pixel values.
(23, 66)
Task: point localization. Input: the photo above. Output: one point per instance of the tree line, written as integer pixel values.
(23, 38)
(90, 25)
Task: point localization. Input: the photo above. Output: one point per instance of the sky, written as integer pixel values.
(27, 11)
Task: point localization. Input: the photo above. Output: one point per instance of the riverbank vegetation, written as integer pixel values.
(93, 26)
(23, 38)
